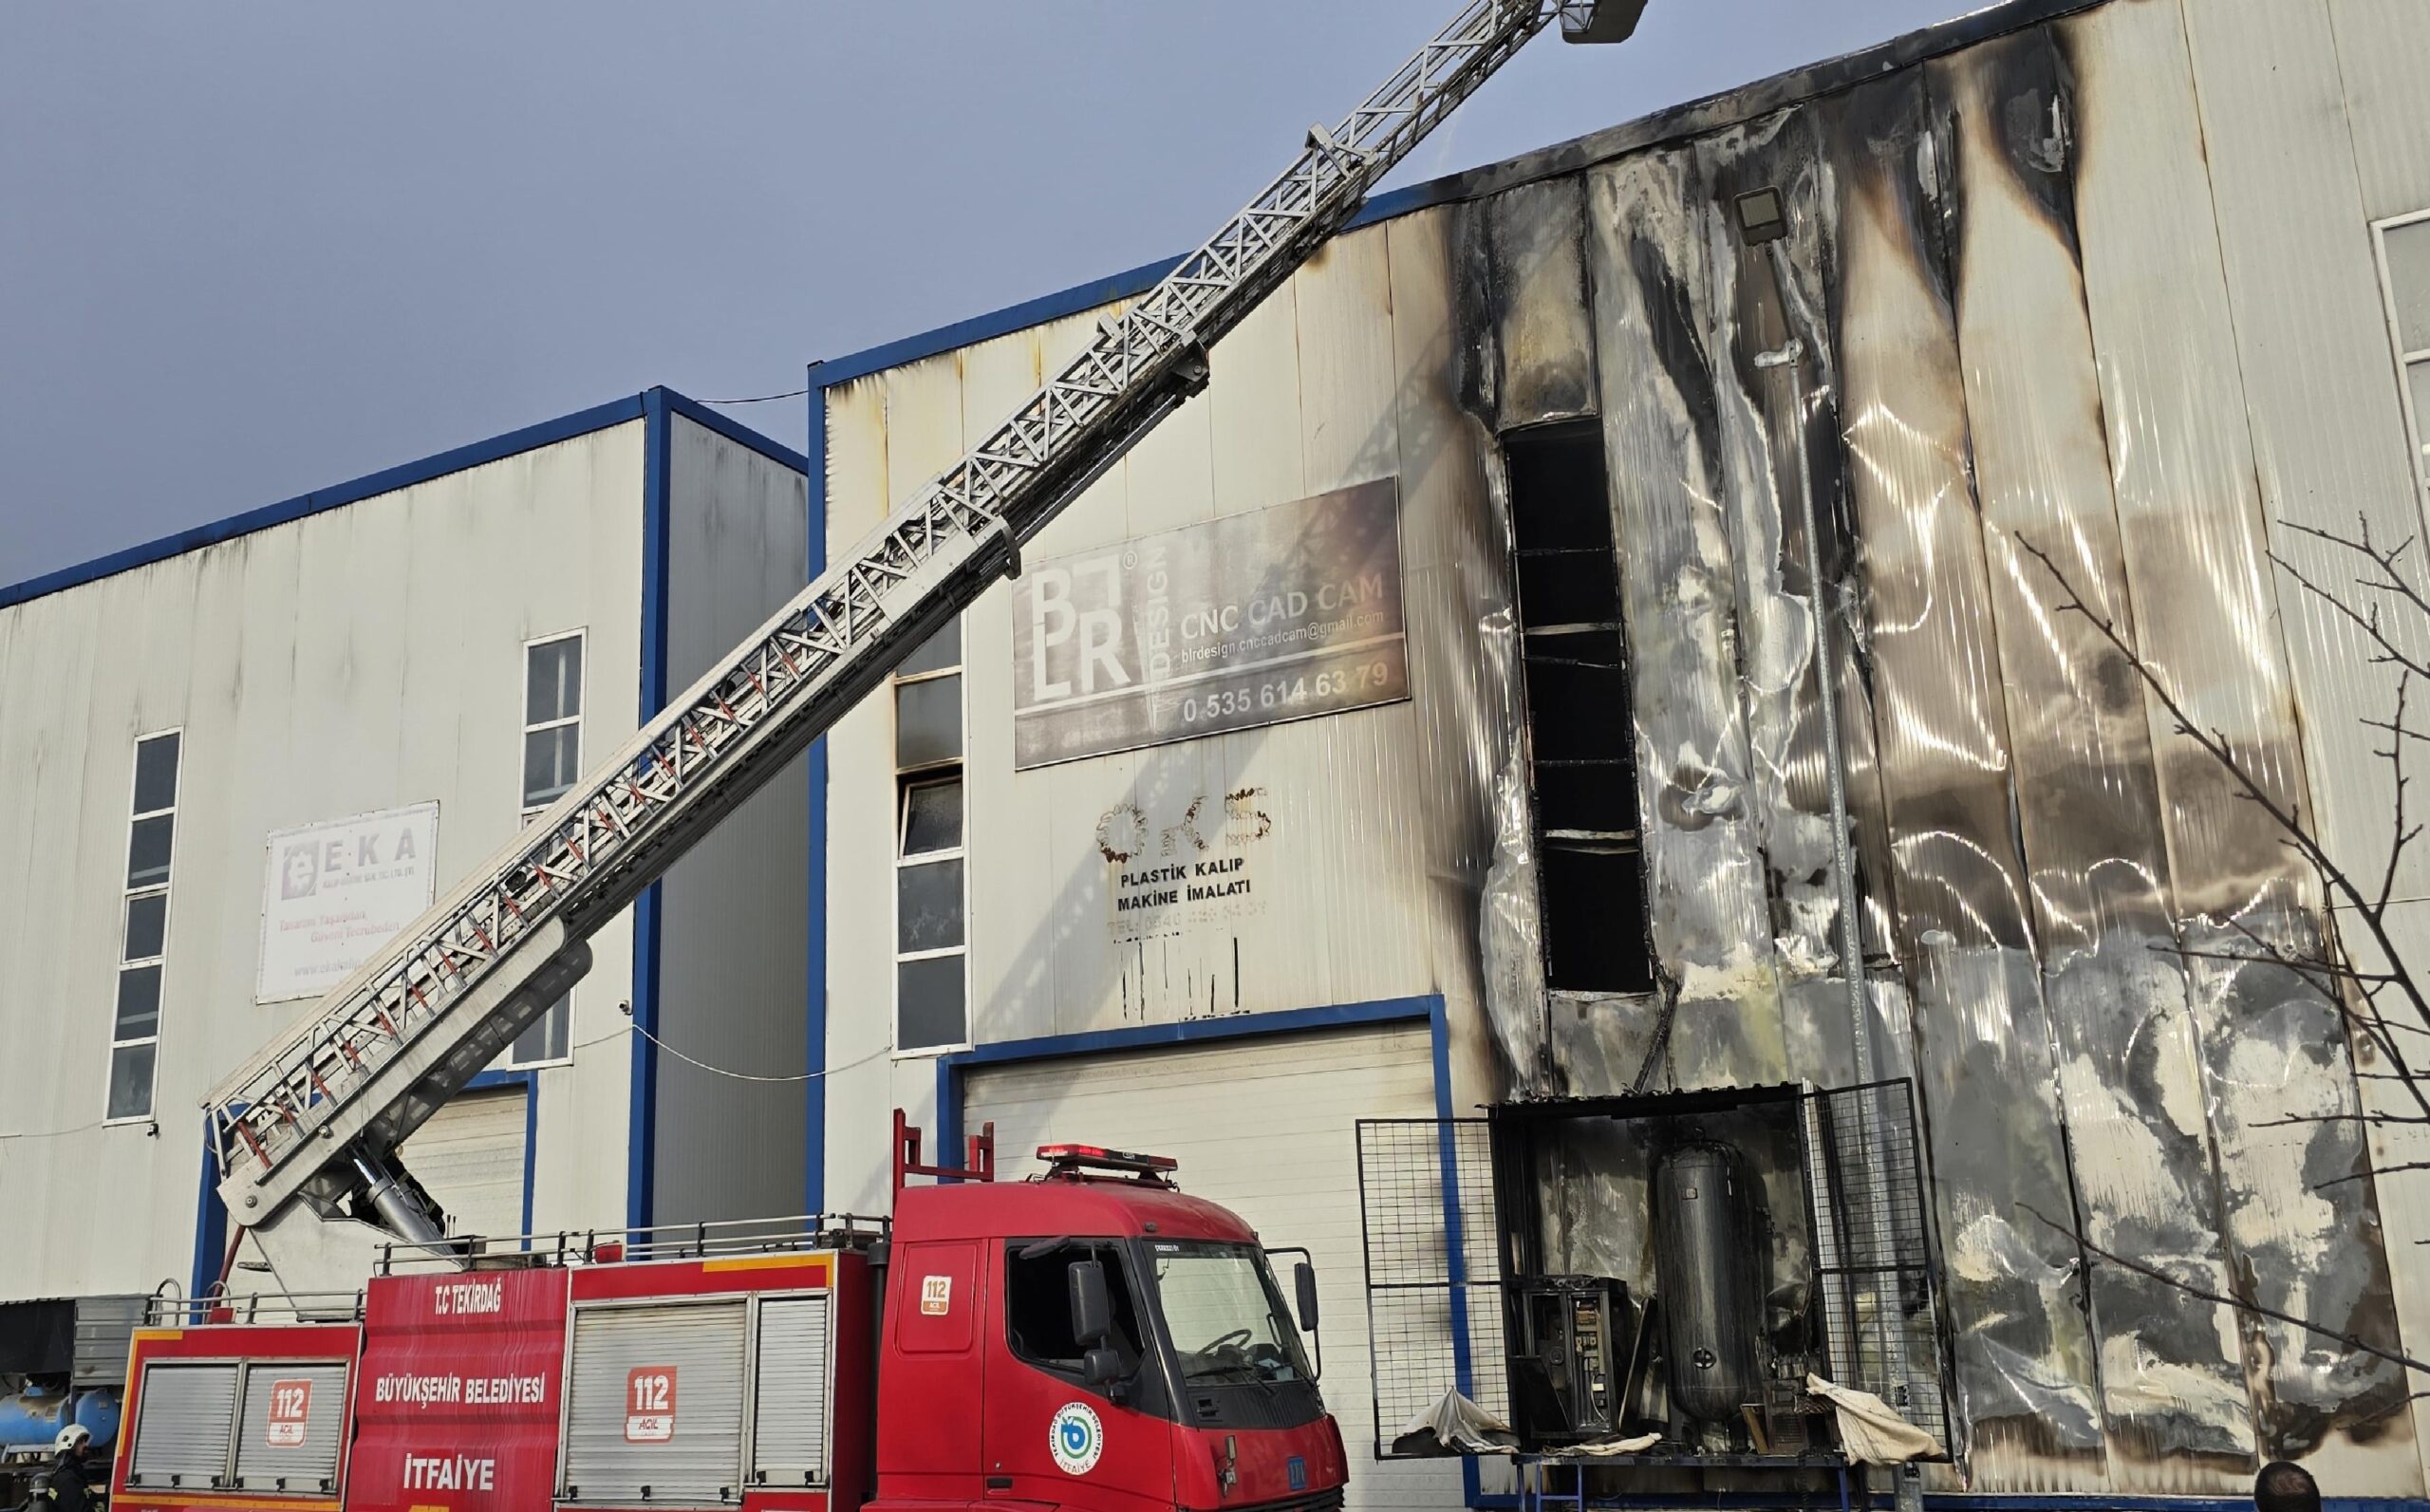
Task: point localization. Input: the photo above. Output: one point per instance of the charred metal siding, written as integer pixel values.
(2089, 280)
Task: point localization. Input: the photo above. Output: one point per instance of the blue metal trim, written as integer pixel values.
(657, 510)
(210, 1224)
(1455, 1245)
(1196, 1031)
(948, 1150)
(498, 1076)
(815, 770)
(387, 480)
(531, 1146)
(1233, 1026)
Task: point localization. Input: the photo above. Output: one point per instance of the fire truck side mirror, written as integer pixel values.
(1092, 1307)
(1303, 1287)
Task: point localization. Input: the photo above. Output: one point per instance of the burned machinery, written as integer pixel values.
(1738, 1241)
(1665, 1273)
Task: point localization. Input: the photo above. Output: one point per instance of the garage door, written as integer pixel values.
(1264, 1127)
(469, 1156)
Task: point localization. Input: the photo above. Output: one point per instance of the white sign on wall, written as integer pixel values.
(334, 892)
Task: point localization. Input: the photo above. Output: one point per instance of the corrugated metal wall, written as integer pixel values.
(732, 968)
(350, 660)
(2100, 287)
(1376, 838)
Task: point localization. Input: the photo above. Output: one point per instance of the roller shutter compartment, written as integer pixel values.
(654, 1410)
(788, 1415)
(288, 1439)
(469, 1157)
(182, 1426)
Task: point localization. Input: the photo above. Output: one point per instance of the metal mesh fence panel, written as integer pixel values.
(1433, 1305)
(1874, 1259)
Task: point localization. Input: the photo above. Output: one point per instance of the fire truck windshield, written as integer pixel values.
(1223, 1314)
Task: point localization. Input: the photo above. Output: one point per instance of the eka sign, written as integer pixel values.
(1075, 1438)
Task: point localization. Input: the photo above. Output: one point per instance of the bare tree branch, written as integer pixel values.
(2339, 884)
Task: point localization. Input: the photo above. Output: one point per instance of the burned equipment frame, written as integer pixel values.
(1453, 1229)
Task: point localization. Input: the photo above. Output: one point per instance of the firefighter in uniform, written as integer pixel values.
(65, 1488)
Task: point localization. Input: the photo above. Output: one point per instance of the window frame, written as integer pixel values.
(1125, 1280)
(929, 774)
(580, 634)
(128, 895)
(2406, 361)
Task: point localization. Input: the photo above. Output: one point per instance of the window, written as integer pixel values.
(552, 719)
(1225, 1315)
(143, 927)
(1582, 731)
(930, 940)
(2404, 283)
(552, 761)
(1037, 1304)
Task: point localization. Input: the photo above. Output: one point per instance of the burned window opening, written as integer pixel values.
(1581, 730)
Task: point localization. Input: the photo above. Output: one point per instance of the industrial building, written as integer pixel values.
(1428, 713)
(1434, 714)
(240, 757)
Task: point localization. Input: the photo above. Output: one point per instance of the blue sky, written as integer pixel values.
(251, 250)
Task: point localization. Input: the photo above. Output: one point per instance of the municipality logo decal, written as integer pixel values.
(1077, 1438)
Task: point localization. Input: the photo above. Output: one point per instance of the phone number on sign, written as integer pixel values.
(1286, 692)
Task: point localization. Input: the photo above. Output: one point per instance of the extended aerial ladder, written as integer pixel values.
(306, 1133)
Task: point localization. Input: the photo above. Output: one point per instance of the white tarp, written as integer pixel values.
(1454, 1425)
(1871, 1431)
(335, 891)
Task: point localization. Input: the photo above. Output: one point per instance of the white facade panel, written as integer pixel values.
(2331, 451)
(469, 1157)
(1361, 829)
(1264, 1127)
(732, 968)
(359, 658)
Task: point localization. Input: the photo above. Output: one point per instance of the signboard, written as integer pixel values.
(1244, 621)
(290, 1413)
(1186, 862)
(461, 1390)
(649, 1404)
(334, 892)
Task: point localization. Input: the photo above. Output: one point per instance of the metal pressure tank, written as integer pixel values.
(1709, 1255)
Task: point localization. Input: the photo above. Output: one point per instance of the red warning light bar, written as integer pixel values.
(1098, 1158)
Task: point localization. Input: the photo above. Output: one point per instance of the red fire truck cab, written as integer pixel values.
(1089, 1338)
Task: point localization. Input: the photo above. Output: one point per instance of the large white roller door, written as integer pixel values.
(1262, 1125)
(469, 1156)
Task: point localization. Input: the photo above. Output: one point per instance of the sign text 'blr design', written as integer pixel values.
(1240, 621)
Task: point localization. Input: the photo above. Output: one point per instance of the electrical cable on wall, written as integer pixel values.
(736, 1075)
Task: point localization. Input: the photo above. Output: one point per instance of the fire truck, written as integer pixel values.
(1092, 1338)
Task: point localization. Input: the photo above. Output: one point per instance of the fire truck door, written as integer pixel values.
(1050, 1435)
(929, 1384)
